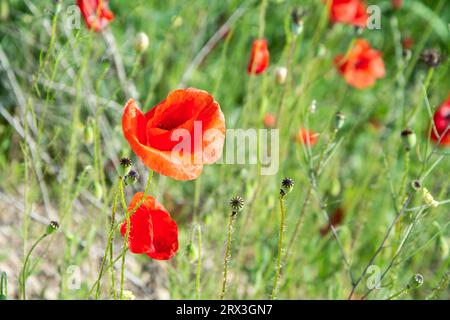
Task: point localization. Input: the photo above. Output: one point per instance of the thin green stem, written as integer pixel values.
(125, 238)
(23, 273)
(199, 261)
(397, 294)
(280, 248)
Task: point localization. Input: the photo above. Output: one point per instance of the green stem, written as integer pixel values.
(125, 238)
(280, 248)
(199, 261)
(395, 295)
(4, 286)
(227, 258)
(23, 273)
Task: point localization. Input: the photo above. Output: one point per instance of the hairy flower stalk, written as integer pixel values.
(236, 204)
(286, 187)
(125, 238)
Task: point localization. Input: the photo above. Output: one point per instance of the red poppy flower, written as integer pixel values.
(362, 66)
(307, 137)
(178, 136)
(152, 230)
(96, 13)
(397, 4)
(441, 121)
(351, 12)
(259, 57)
(337, 217)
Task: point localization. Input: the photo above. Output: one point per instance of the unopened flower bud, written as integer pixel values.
(409, 139)
(281, 75)
(415, 282)
(428, 198)
(269, 120)
(339, 120)
(132, 177)
(98, 190)
(88, 135)
(52, 227)
(313, 106)
(297, 21)
(125, 166)
(236, 204)
(287, 184)
(431, 58)
(142, 42)
(416, 185)
(128, 295)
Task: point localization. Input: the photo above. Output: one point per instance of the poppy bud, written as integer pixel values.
(287, 184)
(132, 177)
(236, 204)
(296, 22)
(269, 120)
(396, 4)
(409, 139)
(415, 282)
(88, 135)
(98, 190)
(141, 42)
(431, 58)
(281, 75)
(3, 286)
(52, 227)
(125, 166)
(313, 106)
(339, 120)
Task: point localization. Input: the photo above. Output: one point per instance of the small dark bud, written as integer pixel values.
(415, 282)
(52, 227)
(236, 204)
(416, 185)
(409, 139)
(125, 166)
(132, 177)
(431, 58)
(287, 184)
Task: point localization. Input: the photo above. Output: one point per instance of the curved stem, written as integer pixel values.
(23, 273)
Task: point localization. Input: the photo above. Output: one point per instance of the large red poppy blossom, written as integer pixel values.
(259, 57)
(178, 136)
(441, 121)
(96, 13)
(152, 231)
(351, 12)
(362, 65)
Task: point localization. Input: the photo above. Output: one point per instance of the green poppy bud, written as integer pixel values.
(415, 282)
(98, 190)
(339, 120)
(142, 42)
(88, 135)
(409, 139)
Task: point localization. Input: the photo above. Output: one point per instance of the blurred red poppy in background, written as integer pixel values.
(259, 57)
(307, 137)
(362, 65)
(351, 12)
(178, 136)
(397, 4)
(441, 121)
(152, 231)
(96, 13)
(269, 120)
(337, 217)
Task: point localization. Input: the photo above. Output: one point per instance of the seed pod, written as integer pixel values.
(297, 21)
(431, 58)
(287, 184)
(52, 227)
(132, 177)
(415, 282)
(125, 166)
(409, 139)
(236, 204)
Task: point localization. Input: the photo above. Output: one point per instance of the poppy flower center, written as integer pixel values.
(178, 115)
